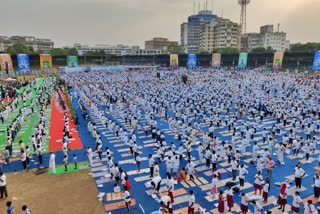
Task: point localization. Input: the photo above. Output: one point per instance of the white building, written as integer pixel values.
(30, 41)
(118, 50)
(219, 33)
(266, 38)
(190, 31)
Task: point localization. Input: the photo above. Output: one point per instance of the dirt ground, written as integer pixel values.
(70, 193)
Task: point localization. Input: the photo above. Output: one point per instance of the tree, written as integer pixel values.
(58, 52)
(228, 50)
(175, 49)
(204, 52)
(19, 48)
(96, 53)
(262, 50)
(71, 51)
(310, 46)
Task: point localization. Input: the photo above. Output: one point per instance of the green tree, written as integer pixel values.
(58, 52)
(204, 52)
(175, 49)
(262, 50)
(96, 53)
(19, 48)
(228, 50)
(310, 46)
(71, 51)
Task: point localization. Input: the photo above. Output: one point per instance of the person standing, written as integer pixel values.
(266, 189)
(316, 180)
(24, 159)
(229, 198)
(192, 201)
(298, 174)
(127, 198)
(221, 203)
(75, 161)
(39, 154)
(52, 162)
(257, 182)
(3, 185)
(244, 203)
(170, 187)
(309, 208)
(296, 201)
(151, 165)
(65, 162)
(282, 199)
(270, 165)
(242, 173)
(25, 209)
(10, 207)
(89, 154)
(234, 167)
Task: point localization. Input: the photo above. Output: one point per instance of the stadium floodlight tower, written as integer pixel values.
(243, 21)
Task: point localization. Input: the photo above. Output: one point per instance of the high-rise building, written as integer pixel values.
(158, 43)
(219, 33)
(190, 31)
(266, 38)
(30, 41)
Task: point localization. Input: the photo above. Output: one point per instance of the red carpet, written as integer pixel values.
(57, 125)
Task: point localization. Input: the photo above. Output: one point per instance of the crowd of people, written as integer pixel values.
(240, 101)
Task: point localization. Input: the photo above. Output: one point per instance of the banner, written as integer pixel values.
(72, 61)
(316, 61)
(174, 60)
(45, 62)
(243, 57)
(23, 63)
(216, 60)
(277, 59)
(5, 61)
(192, 60)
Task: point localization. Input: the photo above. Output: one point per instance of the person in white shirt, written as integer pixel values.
(155, 183)
(170, 187)
(200, 150)
(166, 202)
(266, 188)
(52, 162)
(151, 165)
(191, 171)
(244, 202)
(3, 185)
(89, 154)
(24, 159)
(242, 173)
(296, 201)
(234, 167)
(127, 197)
(192, 202)
(257, 207)
(298, 174)
(309, 208)
(257, 182)
(316, 180)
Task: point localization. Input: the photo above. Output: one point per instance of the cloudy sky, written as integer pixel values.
(133, 21)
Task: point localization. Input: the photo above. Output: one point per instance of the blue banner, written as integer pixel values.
(192, 60)
(316, 62)
(23, 63)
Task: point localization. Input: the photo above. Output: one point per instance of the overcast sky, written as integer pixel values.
(133, 21)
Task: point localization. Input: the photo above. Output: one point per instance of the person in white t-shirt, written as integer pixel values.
(257, 207)
(257, 182)
(3, 185)
(244, 203)
(192, 202)
(309, 208)
(296, 201)
(316, 180)
(298, 174)
(90, 155)
(127, 197)
(166, 202)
